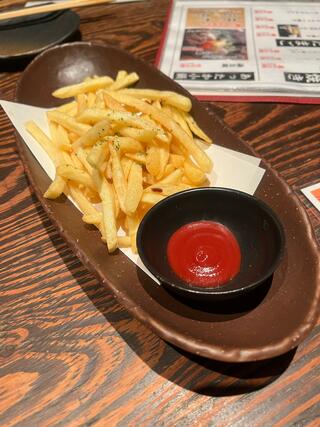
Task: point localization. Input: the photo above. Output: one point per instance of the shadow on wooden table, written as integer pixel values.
(238, 378)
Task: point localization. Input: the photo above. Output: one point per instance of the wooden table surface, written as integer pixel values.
(71, 355)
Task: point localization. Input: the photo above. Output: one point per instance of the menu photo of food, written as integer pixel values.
(215, 33)
(289, 30)
(211, 44)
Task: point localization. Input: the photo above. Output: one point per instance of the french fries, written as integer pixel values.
(120, 150)
(91, 85)
(134, 189)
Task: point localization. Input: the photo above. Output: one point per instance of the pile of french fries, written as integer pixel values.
(119, 150)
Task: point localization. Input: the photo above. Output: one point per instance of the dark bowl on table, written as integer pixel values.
(255, 226)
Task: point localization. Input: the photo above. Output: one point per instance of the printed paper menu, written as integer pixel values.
(258, 50)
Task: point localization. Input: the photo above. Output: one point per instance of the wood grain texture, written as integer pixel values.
(71, 355)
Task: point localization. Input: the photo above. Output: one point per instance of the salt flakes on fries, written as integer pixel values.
(120, 150)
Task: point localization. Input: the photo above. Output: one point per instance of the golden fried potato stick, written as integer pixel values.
(177, 160)
(137, 157)
(164, 158)
(81, 103)
(181, 102)
(196, 129)
(112, 103)
(119, 181)
(142, 135)
(63, 140)
(193, 173)
(168, 170)
(124, 241)
(83, 203)
(88, 86)
(126, 164)
(82, 156)
(98, 154)
(179, 117)
(153, 164)
(109, 219)
(151, 198)
(44, 141)
(172, 178)
(97, 132)
(134, 188)
(56, 188)
(69, 108)
(125, 81)
(125, 144)
(68, 122)
(77, 175)
(94, 219)
(133, 224)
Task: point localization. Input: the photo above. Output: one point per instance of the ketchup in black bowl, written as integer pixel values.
(210, 243)
(204, 253)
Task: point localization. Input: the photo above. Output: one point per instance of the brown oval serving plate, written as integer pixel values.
(264, 324)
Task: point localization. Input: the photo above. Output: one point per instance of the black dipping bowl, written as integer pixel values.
(257, 229)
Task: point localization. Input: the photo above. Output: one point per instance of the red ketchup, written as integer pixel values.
(204, 253)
